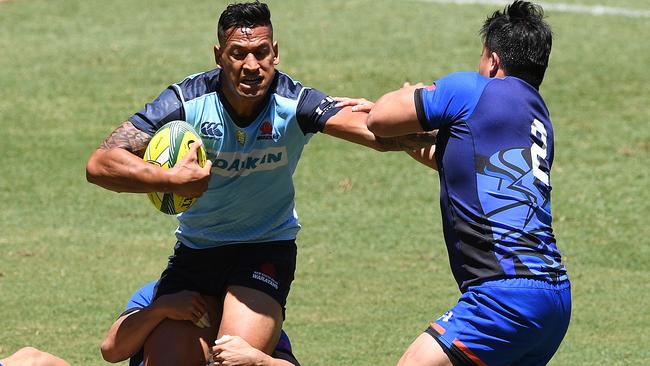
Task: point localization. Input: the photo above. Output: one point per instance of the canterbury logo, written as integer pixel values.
(212, 129)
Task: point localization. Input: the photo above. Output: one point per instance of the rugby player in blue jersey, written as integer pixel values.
(127, 335)
(236, 244)
(494, 154)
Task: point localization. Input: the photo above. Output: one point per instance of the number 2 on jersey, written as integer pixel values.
(538, 150)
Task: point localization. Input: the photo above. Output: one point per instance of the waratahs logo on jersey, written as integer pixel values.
(512, 200)
(212, 130)
(266, 132)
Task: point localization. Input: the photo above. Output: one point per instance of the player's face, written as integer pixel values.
(248, 57)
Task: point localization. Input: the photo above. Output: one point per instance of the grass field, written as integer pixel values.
(372, 265)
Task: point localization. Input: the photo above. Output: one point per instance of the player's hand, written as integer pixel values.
(235, 351)
(187, 177)
(183, 305)
(357, 104)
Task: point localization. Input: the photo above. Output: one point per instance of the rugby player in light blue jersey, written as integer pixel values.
(236, 244)
(494, 154)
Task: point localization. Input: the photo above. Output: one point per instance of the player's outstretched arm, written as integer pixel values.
(117, 165)
(129, 332)
(351, 124)
(394, 114)
(235, 351)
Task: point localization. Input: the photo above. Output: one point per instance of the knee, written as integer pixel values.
(28, 353)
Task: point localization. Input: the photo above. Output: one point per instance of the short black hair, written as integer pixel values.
(239, 15)
(521, 38)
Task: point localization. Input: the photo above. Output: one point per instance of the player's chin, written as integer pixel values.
(252, 91)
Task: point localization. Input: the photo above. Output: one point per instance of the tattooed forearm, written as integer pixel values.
(127, 137)
(409, 142)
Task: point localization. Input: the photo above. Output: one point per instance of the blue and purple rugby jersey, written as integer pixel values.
(250, 197)
(494, 154)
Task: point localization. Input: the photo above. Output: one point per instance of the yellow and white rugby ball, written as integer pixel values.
(169, 145)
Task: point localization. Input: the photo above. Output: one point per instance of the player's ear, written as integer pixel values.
(495, 64)
(276, 53)
(217, 54)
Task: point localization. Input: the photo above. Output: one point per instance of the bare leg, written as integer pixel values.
(30, 356)
(252, 315)
(424, 351)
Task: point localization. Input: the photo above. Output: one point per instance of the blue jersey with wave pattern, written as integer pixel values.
(494, 154)
(250, 197)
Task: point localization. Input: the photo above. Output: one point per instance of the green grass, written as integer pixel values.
(372, 265)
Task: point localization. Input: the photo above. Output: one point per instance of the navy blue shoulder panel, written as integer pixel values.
(314, 108)
(197, 85)
(287, 87)
(168, 106)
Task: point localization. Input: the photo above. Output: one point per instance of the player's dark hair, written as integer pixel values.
(522, 40)
(239, 15)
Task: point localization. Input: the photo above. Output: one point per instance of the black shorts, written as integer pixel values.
(268, 267)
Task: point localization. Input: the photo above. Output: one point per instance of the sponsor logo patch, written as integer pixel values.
(446, 316)
(212, 129)
(266, 132)
(241, 137)
(234, 164)
(266, 274)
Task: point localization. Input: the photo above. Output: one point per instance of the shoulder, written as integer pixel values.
(286, 87)
(196, 85)
(143, 296)
(463, 82)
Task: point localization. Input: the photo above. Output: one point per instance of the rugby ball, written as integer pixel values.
(169, 145)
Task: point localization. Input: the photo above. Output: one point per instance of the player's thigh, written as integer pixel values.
(181, 342)
(424, 351)
(253, 315)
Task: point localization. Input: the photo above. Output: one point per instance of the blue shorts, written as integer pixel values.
(518, 321)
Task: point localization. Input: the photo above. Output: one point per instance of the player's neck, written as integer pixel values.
(243, 111)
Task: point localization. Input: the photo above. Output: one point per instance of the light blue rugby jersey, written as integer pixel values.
(251, 194)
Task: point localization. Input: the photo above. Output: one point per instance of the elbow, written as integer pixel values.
(94, 168)
(110, 353)
(93, 175)
(375, 126)
(382, 124)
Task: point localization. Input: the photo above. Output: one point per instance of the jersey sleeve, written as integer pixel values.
(314, 109)
(166, 108)
(449, 99)
(142, 298)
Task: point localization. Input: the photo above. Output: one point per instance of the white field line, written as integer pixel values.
(560, 7)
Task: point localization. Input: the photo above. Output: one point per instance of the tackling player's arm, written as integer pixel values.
(396, 114)
(352, 126)
(235, 351)
(117, 165)
(343, 118)
(129, 332)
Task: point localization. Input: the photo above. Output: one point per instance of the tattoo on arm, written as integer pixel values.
(408, 142)
(127, 137)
